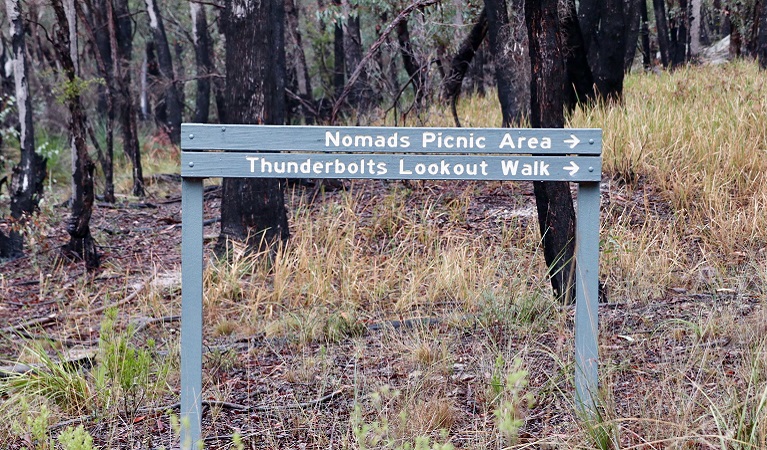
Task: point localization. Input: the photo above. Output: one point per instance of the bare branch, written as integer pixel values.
(371, 51)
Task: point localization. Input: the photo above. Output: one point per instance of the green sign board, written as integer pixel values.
(262, 151)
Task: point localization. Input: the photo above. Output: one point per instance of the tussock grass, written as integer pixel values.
(426, 304)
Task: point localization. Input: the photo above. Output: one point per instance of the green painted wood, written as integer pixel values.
(191, 311)
(538, 141)
(438, 152)
(390, 167)
(587, 298)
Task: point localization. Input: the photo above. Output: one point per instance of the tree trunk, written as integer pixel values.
(556, 214)
(253, 210)
(145, 110)
(645, 35)
(579, 81)
(339, 68)
(26, 185)
(695, 27)
(203, 62)
(477, 71)
(81, 244)
(165, 62)
(507, 43)
(412, 67)
(156, 93)
(679, 36)
(121, 40)
(451, 85)
(662, 26)
(632, 27)
(360, 97)
(298, 58)
(761, 51)
(99, 16)
(604, 34)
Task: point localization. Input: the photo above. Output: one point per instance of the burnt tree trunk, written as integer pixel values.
(165, 63)
(645, 36)
(579, 81)
(761, 50)
(661, 24)
(604, 36)
(556, 214)
(26, 185)
(203, 61)
(414, 70)
(360, 97)
(679, 36)
(632, 27)
(81, 244)
(451, 85)
(121, 41)
(253, 210)
(339, 67)
(509, 58)
(156, 93)
(298, 59)
(99, 32)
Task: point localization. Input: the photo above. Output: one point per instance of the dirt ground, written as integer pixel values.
(280, 393)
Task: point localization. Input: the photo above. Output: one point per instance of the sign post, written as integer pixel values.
(240, 151)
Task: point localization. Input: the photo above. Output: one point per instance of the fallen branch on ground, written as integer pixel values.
(238, 407)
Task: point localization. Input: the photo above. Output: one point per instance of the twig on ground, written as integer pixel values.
(127, 299)
(239, 407)
(144, 322)
(50, 318)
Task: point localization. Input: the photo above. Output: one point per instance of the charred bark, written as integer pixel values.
(459, 66)
(253, 210)
(645, 36)
(556, 214)
(678, 27)
(632, 27)
(507, 44)
(27, 178)
(81, 245)
(360, 96)
(203, 61)
(297, 57)
(339, 66)
(121, 41)
(661, 25)
(96, 18)
(156, 93)
(579, 81)
(172, 125)
(762, 38)
(413, 68)
(604, 36)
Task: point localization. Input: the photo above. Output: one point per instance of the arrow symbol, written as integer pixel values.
(573, 141)
(572, 168)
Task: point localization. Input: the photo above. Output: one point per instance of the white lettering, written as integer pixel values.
(329, 138)
(428, 138)
(507, 141)
(252, 160)
(509, 167)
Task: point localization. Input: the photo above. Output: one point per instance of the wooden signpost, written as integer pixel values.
(238, 151)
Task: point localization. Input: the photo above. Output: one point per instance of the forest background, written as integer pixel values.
(397, 315)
